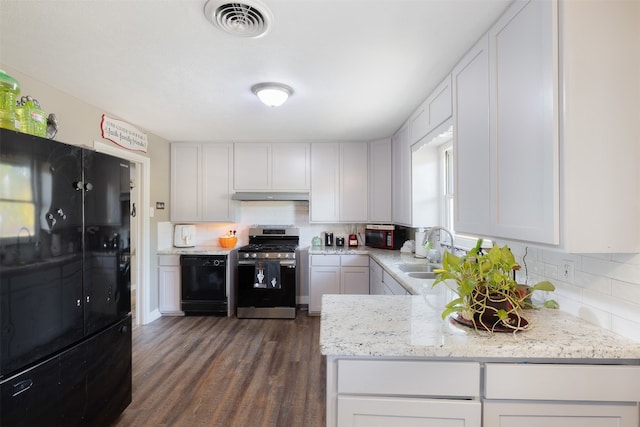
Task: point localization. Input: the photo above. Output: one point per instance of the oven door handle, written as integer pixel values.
(252, 263)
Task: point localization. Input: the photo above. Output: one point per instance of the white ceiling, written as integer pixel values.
(358, 67)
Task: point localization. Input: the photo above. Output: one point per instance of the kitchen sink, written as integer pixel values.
(422, 267)
(422, 274)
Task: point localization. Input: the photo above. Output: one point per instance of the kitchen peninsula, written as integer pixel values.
(392, 360)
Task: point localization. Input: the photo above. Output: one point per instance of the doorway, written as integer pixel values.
(140, 229)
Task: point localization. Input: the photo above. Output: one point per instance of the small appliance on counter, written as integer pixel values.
(353, 241)
(340, 241)
(184, 236)
(328, 239)
(384, 236)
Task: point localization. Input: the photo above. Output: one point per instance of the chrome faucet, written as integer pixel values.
(18, 240)
(434, 255)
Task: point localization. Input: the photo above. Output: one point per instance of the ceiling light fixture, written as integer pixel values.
(272, 94)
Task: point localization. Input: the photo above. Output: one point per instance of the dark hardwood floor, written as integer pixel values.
(218, 371)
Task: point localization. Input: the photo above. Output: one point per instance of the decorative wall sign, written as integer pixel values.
(123, 134)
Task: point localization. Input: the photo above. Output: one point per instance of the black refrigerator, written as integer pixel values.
(65, 302)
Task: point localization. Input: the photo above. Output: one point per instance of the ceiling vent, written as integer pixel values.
(248, 19)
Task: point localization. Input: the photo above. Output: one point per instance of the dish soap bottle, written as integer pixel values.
(9, 91)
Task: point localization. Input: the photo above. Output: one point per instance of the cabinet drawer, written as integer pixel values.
(169, 260)
(563, 382)
(409, 378)
(354, 260)
(330, 260)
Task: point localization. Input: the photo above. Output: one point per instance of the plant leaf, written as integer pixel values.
(543, 286)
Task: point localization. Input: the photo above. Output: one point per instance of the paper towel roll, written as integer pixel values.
(421, 251)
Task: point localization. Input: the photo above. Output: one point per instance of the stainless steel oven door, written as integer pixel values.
(276, 301)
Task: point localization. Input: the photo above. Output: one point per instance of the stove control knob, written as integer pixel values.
(254, 255)
(279, 256)
(266, 255)
(246, 255)
(286, 255)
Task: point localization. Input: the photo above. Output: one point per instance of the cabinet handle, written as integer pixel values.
(22, 386)
(78, 302)
(88, 298)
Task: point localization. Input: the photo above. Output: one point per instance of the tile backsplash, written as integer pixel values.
(603, 289)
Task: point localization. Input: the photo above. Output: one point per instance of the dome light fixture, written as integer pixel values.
(272, 94)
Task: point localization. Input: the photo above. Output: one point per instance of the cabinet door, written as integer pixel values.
(559, 414)
(216, 182)
(290, 166)
(392, 286)
(169, 288)
(432, 112)
(380, 181)
(252, 166)
(407, 412)
(354, 280)
(185, 182)
(354, 182)
(524, 132)
(401, 177)
(325, 182)
(471, 141)
(323, 280)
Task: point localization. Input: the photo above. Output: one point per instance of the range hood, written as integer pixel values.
(270, 196)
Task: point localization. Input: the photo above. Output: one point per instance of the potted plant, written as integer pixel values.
(488, 295)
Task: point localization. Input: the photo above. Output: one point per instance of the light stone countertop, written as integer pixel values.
(196, 250)
(411, 326)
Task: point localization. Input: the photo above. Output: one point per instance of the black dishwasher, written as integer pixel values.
(204, 284)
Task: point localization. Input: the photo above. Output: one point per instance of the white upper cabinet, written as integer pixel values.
(600, 65)
(470, 82)
(201, 182)
(339, 182)
(380, 181)
(557, 169)
(401, 153)
(354, 182)
(432, 112)
(272, 167)
(524, 136)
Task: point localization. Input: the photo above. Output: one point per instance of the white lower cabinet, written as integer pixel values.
(336, 274)
(376, 287)
(392, 286)
(550, 395)
(169, 285)
(403, 393)
(407, 412)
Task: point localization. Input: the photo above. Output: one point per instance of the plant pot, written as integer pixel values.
(485, 307)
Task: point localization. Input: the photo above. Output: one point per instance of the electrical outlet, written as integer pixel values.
(566, 271)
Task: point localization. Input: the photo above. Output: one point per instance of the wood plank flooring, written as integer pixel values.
(218, 371)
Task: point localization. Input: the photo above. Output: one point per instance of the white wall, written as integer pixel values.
(604, 289)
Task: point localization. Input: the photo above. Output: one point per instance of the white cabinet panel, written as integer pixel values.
(558, 414)
(380, 181)
(324, 203)
(354, 182)
(252, 166)
(169, 291)
(339, 182)
(336, 274)
(186, 182)
(323, 280)
(290, 166)
(354, 280)
(201, 182)
(392, 286)
(376, 287)
(432, 112)
(401, 153)
(358, 411)
(524, 130)
(271, 167)
(471, 141)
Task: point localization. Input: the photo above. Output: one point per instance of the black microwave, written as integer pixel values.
(384, 236)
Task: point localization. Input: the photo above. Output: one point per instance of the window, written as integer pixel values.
(17, 202)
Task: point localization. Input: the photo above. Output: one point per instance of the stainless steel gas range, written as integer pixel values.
(267, 273)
